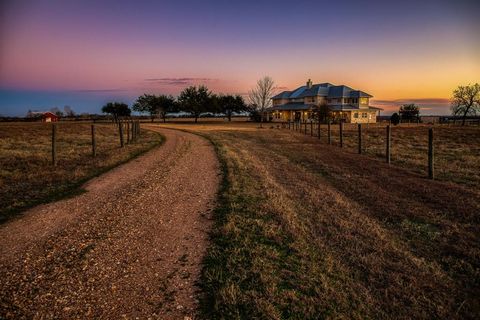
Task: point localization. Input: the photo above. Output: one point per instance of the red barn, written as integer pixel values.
(49, 117)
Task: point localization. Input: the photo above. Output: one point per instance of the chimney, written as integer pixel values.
(309, 84)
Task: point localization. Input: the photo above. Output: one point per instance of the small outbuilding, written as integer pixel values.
(49, 117)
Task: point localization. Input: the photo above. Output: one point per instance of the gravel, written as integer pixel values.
(129, 247)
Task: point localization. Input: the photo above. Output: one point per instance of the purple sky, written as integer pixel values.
(85, 53)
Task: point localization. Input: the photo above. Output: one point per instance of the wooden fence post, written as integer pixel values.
(311, 128)
(139, 132)
(431, 173)
(120, 131)
(341, 134)
(134, 130)
(94, 143)
(359, 138)
(54, 144)
(305, 132)
(288, 124)
(329, 129)
(134, 134)
(128, 131)
(318, 129)
(389, 138)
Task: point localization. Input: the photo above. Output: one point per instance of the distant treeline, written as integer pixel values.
(108, 118)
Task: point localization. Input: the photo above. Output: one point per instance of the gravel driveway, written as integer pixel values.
(129, 247)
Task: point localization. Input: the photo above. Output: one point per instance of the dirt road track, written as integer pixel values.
(129, 247)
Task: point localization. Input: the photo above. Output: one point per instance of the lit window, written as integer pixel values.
(363, 100)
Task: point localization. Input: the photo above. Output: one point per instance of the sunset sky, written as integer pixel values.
(85, 53)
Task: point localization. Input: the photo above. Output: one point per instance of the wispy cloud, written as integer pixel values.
(179, 81)
(100, 90)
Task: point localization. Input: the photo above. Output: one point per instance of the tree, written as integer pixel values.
(395, 119)
(261, 95)
(68, 111)
(322, 111)
(466, 101)
(196, 101)
(253, 113)
(117, 110)
(409, 111)
(228, 104)
(56, 111)
(155, 105)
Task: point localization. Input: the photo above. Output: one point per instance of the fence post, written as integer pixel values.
(305, 132)
(94, 143)
(341, 134)
(134, 134)
(389, 137)
(134, 130)
(288, 124)
(54, 144)
(311, 128)
(359, 138)
(431, 174)
(120, 131)
(128, 131)
(318, 129)
(138, 127)
(329, 129)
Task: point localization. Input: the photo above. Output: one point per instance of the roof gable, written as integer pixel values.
(282, 95)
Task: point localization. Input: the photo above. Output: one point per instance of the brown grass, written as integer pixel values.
(26, 174)
(306, 231)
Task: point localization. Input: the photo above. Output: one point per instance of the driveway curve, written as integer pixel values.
(129, 247)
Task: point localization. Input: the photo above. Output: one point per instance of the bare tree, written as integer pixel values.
(68, 111)
(261, 95)
(466, 101)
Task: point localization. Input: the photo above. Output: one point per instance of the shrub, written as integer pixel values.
(395, 119)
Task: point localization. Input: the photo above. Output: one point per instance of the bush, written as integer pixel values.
(255, 116)
(395, 119)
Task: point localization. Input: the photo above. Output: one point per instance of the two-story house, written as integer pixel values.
(341, 102)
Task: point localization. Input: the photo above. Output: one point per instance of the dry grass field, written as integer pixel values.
(305, 230)
(457, 149)
(26, 174)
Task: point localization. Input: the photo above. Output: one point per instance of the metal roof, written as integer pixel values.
(349, 107)
(282, 95)
(322, 89)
